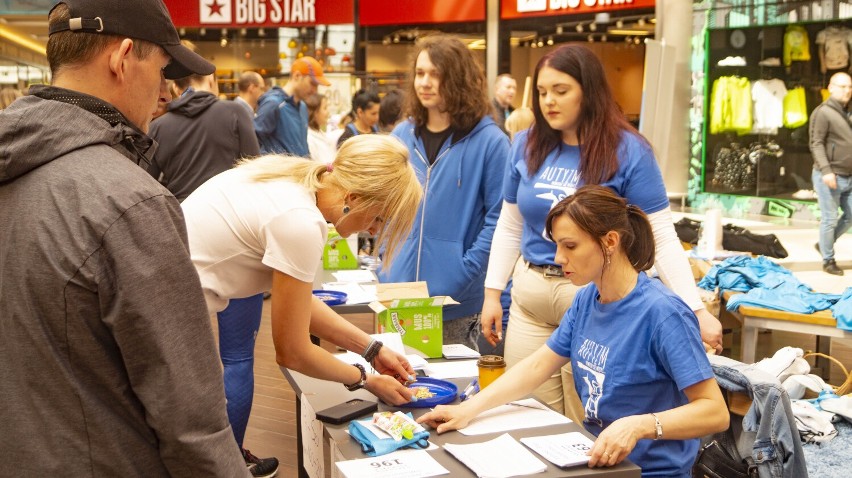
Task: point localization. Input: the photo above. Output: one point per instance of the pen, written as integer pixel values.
(470, 390)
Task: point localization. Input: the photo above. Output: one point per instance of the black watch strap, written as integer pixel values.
(360, 383)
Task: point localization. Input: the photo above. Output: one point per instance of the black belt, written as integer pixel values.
(547, 270)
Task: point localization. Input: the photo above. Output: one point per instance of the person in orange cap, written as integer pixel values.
(281, 123)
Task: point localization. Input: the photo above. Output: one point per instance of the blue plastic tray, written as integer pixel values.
(445, 392)
(331, 297)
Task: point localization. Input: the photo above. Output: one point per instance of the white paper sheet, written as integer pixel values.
(402, 464)
(355, 275)
(514, 417)
(563, 450)
(455, 369)
(457, 351)
(501, 457)
(355, 293)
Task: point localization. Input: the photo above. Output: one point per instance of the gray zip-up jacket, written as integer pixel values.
(108, 365)
(831, 139)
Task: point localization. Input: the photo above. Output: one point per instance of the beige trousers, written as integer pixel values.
(538, 304)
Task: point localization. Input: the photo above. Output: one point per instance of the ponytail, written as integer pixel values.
(640, 249)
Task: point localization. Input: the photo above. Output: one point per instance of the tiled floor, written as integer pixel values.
(272, 427)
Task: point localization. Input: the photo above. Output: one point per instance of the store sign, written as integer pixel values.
(531, 8)
(402, 12)
(260, 13)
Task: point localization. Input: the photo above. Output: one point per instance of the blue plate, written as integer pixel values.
(331, 297)
(445, 392)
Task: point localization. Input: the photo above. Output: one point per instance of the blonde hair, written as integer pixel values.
(374, 167)
(519, 120)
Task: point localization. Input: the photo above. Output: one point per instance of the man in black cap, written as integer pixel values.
(109, 363)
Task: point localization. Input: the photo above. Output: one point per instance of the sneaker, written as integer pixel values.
(830, 266)
(260, 467)
(732, 61)
(773, 61)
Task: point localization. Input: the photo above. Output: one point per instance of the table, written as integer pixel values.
(322, 394)
(821, 324)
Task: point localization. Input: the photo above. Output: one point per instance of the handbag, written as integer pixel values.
(736, 238)
(375, 446)
(714, 461)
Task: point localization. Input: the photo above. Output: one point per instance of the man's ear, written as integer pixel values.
(118, 58)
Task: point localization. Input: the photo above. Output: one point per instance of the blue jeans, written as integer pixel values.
(831, 227)
(238, 326)
(464, 330)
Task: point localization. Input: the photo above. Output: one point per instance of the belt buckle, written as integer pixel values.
(551, 271)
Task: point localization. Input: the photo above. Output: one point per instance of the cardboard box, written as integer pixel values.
(407, 308)
(338, 254)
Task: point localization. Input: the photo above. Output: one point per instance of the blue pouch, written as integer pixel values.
(375, 446)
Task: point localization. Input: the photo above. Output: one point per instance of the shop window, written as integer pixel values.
(762, 83)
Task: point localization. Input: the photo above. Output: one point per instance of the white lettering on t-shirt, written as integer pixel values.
(591, 358)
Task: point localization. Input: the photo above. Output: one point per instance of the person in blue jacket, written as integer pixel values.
(460, 156)
(281, 122)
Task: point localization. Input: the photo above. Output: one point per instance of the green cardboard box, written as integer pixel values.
(337, 254)
(407, 308)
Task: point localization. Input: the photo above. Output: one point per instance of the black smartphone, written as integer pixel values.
(346, 411)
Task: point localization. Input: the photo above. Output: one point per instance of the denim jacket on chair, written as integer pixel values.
(768, 426)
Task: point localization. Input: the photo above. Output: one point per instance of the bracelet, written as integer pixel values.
(361, 382)
(658, 426)
(372, 350)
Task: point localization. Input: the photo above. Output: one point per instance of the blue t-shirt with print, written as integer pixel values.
(638, 179)
(631, 357)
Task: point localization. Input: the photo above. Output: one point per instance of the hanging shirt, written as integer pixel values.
(731, 105)
(768, 98)
(796, 45)
(834, 42)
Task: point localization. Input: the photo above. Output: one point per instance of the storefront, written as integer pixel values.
(752, 156)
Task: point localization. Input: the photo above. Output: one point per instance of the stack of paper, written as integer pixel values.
(501, 457)
(527, 413)
(563, 450)
(456, 351)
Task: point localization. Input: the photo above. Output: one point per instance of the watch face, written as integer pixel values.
(738, 39)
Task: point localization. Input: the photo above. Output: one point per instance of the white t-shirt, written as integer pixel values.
(768, 97)
(241, 229)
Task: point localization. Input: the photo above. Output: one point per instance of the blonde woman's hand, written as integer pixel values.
(491, 321)
(711, 330)
(445, 418)
(388, 362)
(617, 441)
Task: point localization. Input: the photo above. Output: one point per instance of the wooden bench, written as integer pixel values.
(820, 324)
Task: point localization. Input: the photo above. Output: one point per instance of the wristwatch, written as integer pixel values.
(658, 427)
(360, 383)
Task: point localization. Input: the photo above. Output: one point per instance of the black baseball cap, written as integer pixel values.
(147, 20)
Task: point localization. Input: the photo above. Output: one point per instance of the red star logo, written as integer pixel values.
(216, 8)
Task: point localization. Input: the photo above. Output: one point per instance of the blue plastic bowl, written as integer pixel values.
(445, 392)
(331, 297)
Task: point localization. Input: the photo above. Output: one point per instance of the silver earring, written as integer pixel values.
(345, 209)
(608, 258)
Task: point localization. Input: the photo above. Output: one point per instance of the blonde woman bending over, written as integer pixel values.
(263, 226)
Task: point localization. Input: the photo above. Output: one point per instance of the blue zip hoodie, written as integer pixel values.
(451, 239)
(281, 124)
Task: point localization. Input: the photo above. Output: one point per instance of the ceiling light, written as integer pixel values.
(641, 22)
(243, 32)
(261, 32)
(619, 24)
(224, 42)
(628, 40)
(593, 26)
(182, 31)
(224, 32)
(385, 41)
(559, 30)
(579, 28)
(603, 37)
(591, 38)
(396, 38)
(550, 41)
(636, 40)
(202, 31)
(540, 43)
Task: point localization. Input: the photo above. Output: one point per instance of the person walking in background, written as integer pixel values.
(263, 225)
(200, 136)
(390, 110)
(504, 93)
(579, 136)
(281, 123)
(109, 363)
(365, 114)
(636, 353)
(250, 87)
(831, 147)
(321, 146)
(460, 156)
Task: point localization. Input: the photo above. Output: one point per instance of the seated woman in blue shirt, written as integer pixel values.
(639, 365)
